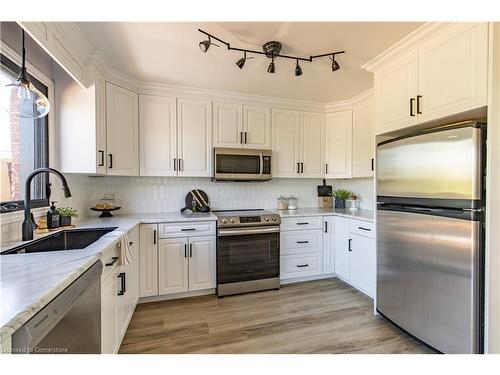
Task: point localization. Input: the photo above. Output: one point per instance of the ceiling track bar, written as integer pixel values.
(309, 59)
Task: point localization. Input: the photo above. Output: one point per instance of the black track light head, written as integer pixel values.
(241, 62)
(205, 45)
(271, 68)
(335, 64)
(298, 70)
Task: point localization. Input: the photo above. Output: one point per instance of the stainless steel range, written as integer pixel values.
(248, 251)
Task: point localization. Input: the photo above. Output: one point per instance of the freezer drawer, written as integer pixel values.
(428, 278)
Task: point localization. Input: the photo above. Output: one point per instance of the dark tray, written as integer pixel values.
(106, 212)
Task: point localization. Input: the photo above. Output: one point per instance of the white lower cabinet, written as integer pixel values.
(148, 274)
(342, 243)
(202, 261)
(109, 337)
(328, 245)
(363, 264)
(173, 266)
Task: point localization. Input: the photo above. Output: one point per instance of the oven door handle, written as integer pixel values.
(244, 231)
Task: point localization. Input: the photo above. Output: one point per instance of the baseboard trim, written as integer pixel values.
(307, 278)
(167, 297)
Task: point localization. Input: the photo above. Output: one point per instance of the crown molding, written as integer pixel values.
(344, 105)
(404, 45)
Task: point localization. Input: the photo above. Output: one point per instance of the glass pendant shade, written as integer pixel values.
(22, 98)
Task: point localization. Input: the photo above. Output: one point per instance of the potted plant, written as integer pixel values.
(65, 214)
(340, 196)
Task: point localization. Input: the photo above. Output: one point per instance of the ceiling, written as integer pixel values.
(168, 53)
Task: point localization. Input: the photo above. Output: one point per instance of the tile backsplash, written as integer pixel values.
(166, 194)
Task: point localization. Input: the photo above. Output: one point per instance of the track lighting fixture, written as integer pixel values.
(241, 62)
(335, 64)
(26, 100)
(205, 45)
(270, 68)
(271, 50)
(298, 70)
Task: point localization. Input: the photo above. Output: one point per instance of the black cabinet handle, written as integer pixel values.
(113, 261)
(179, 165)
(298, 167)
(326, 168)
(363, 228)
(349, 244)
(154, 237)
(326, 226)
(302, 241)
(130, 243)
(175, 164)
(187, 229)
(373, 164)
(246, 138)
(301, 167)
(122, 291)
(418, 104)
(190, 250)
(101, 154)
(241, 137)
(411, 107)
(185, 250)
(110, 156)
(302, 223)
(302, 265)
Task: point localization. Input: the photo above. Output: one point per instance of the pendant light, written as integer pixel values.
(26, 100)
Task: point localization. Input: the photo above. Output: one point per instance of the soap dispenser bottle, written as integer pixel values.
(53, 217)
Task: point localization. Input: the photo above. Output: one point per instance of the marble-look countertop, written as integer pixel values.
(359, 214)
(29, 281)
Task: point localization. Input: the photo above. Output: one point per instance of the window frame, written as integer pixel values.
(8, 60)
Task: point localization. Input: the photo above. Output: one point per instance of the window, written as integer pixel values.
(23, 148)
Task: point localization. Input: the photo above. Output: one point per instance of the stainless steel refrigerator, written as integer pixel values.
(430, 235)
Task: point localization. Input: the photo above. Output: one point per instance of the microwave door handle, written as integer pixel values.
(261, 158)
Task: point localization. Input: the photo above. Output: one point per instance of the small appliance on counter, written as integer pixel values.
(196, 201)
(325, 197)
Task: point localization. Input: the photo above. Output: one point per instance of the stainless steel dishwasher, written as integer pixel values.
(70, 323)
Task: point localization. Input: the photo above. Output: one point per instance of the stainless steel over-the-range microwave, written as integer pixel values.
(242, 164)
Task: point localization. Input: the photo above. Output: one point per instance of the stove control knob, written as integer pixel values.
(224, 220)
(274, 218)
(231, 220)
(266, 218)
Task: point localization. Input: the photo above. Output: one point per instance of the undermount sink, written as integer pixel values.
(70, 239)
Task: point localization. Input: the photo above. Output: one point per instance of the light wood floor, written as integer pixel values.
(323, 316)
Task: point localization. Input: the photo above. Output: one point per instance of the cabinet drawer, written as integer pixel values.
(363, 228)
(299, 242)
(300, 266)
(296, 223)
(110, 260)
(202, 228)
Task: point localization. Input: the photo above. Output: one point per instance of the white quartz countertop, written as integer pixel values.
(359, 214)
(29, 281)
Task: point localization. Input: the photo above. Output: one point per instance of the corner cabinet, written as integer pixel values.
(338, 158)
(444, 75)
(194, 140)
(122, 131)
(363, 137)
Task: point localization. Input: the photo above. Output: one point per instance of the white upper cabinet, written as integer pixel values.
(443, 74)
(228, 125)
(241, 126)
(338, 144)
(312, 136)
(453, 71)
(285, 143)
(158, 135)
(363, 137)
(395, 93)
(194, 140)
(122, 131)
(256, 127)
(202, 261)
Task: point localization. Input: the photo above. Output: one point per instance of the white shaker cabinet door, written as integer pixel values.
(157, 135)
(257, 127)
(338, 144)
(363, 138)
(148, 261)
(122, 131)
(328, 244)
(453, 71)
(312, 135)
(285, 143)
(202, 263)
(109, 334)
(342, 240)
(227, 125)
(396, 93)
(194, 140)
(172, 266)
(363, 264)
